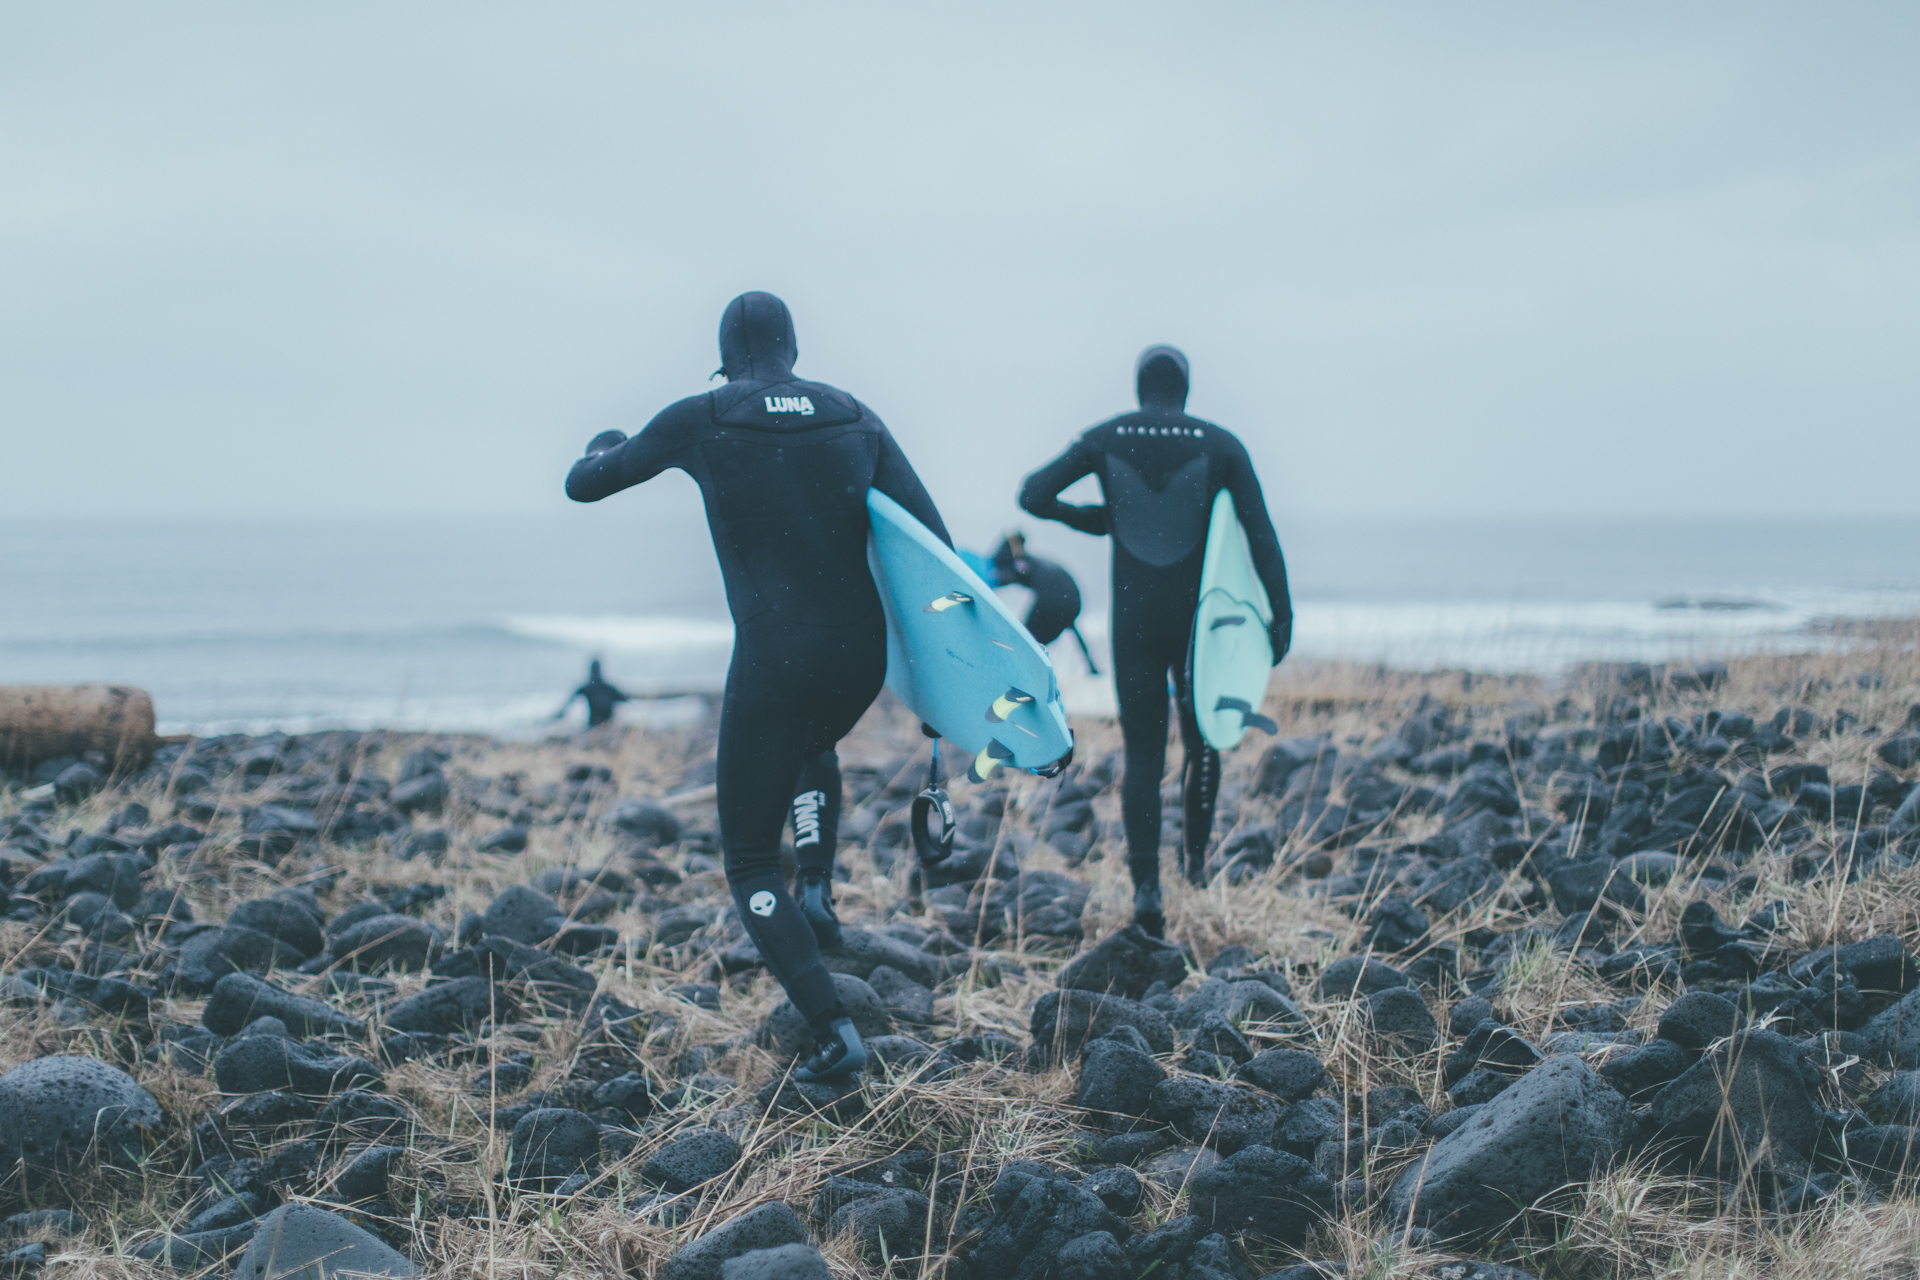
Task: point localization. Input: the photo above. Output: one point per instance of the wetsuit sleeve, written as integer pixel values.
(1040, 494)
(608, 470)
(1264, 544)
(894, 476)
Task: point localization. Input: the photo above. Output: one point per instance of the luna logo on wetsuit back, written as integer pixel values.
(789, 404)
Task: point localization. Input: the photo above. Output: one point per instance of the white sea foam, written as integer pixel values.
(523, 717)
(617, 633)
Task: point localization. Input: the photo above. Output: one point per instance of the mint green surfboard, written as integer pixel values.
(1231, 654)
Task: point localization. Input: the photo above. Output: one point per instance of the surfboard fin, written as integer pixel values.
(990, 758)
(1249, 718)
(947, 602)
(1004, 705)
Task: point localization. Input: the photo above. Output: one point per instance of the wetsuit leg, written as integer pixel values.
(792, 692)
(1140, 677)
(816, 813)
(1201, 783)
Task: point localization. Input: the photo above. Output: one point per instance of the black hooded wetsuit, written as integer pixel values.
(784, 466)
(601, 697)
(1159, 471)
(1056, 596)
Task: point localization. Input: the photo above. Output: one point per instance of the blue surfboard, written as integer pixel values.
(956, 654)
(1231, 653)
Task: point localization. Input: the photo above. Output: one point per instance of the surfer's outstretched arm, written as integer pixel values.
(1040, 494)
(614, 463)
(1264, 544)
(895, 477)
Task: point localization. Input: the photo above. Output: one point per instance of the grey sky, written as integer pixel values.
(1426, 259)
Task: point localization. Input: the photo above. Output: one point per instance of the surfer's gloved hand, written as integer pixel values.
(840, 1053)
(814, 889)
(1280, 636)
(604, 441)
(1091, 520)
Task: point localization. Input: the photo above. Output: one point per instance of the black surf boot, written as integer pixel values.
(1146, 910)
(840, 1055)
(814, 890)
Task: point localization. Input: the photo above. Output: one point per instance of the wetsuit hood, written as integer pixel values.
(1160, 375)
(757, 340)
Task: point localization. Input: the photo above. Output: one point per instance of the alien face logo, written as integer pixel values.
(761, 903)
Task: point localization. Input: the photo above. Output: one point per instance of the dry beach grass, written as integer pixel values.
(1642, 1218)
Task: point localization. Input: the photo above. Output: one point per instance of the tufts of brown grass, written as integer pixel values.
(1634, 1221)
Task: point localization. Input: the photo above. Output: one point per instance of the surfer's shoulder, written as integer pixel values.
(681, 421)
(1221, 438)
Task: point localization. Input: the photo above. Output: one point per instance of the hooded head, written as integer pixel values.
(1160, 375)
(756, 339)
(593, 669)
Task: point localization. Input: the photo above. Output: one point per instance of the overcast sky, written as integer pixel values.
(1428, 260)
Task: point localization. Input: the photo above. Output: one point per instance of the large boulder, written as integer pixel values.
(1357, 976)
(239, 998)
(1292, 1074)
(1893, 1034)
(1698, 1019)
(389, 941)
(1269, 1193)
(550, 1145)
(522, 913)
(210, 955)
(1241, 1000)
(1126, 963)
(64, 1114)
(1215, 1114)
(646, 820)
(1400, 1017)
(690, 1160)
(1117, 1079)
(1034, 1217)
(783, 1262)
(1558, 1124)
(766, 1226)
(446, 1007)
(262, 1063)
(1751, 1102)
(284, 919)
(1064, 1021)
(305, 1242)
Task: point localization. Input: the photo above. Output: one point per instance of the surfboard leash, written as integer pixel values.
(932, 850)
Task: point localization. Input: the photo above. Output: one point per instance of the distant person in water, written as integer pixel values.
(1056, 597)
(601, 697)
(1159, 471)
(784, 465)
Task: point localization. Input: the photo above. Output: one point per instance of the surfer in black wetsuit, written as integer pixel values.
(1056, 596)
(784, 466)
(1159, 471)
(601, 697)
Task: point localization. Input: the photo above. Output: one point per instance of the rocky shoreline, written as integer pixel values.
(1478, 959)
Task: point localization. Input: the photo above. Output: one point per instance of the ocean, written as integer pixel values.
(487, 623)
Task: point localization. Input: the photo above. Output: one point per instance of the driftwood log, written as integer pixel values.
(42, 721)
